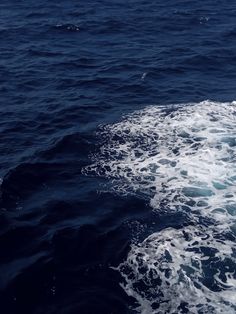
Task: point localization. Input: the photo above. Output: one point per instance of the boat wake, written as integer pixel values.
(179, 158)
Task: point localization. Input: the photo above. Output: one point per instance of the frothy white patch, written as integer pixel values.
(178, 269)
(180, 158)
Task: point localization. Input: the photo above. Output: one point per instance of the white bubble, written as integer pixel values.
(178, 157)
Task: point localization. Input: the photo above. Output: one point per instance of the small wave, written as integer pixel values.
(40, 53)
(68, 27)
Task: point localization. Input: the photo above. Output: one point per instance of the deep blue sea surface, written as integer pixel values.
(117, 157)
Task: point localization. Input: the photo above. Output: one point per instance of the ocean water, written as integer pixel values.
(117, 157)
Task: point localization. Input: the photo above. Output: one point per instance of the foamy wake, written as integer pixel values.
(180, 158)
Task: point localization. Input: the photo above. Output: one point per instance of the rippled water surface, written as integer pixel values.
(118, 151)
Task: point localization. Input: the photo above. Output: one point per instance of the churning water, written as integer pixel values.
(180, 158)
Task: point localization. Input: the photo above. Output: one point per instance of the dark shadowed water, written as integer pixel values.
(87, 222)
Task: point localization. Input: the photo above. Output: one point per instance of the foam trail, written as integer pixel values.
(180, 158)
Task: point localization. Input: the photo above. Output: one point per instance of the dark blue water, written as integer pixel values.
(67, 67)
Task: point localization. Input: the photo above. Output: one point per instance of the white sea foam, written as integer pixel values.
(189, 268)
(180, 158)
